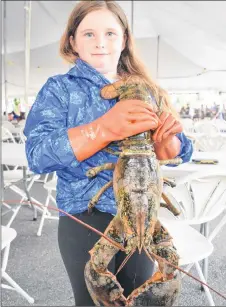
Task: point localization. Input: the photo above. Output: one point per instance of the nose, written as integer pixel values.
(100, 43)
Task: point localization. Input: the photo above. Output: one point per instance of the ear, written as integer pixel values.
(72, 43)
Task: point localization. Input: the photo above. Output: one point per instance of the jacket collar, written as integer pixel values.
(84, 70)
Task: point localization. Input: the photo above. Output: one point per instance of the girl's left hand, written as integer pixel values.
(169, 126)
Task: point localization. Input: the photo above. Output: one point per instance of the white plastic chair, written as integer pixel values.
(207, 127)
(7, 135)
(8, 125)
(22, 136)
(201, 197)
(8, 235)
(221, 124)
(10, 179)
(213, 142)
(187, 124)
(50, 186)
(195, 248)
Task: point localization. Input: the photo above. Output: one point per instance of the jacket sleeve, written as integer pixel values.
(186, 149)
(47, 146)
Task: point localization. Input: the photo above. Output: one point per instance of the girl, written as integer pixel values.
(69, 125)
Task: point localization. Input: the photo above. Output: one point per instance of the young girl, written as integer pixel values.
(69, 125)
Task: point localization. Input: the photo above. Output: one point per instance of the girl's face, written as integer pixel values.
(99, 41)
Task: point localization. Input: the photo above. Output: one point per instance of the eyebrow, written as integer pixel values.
(108, 29)
(87, 30)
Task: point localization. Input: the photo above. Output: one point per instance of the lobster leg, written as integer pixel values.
(163, 287)
(95, 170)
(175, 161)
(168, 204)
(96, 197)
(102, 285)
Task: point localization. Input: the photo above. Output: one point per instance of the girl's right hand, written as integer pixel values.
(127, 118)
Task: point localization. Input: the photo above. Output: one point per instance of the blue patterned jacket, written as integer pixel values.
(67, 101)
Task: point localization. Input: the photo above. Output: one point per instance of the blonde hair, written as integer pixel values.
(129, 63)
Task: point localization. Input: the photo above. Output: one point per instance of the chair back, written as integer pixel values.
(207, 127)
(8, 125)
(212, 142)
(201, 197)
(7, 135)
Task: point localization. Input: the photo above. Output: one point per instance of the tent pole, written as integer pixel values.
(4, 34)
(27, 7)
(157, 60)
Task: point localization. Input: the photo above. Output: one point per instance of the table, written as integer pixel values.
(190, 167)
(14, 154)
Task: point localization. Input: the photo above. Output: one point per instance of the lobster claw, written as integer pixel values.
(103, 287)
(156, 294)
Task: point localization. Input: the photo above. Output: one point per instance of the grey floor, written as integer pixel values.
(35, 264)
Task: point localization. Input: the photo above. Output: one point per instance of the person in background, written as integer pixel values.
(69, 125)
(188, 110)
(224, 112)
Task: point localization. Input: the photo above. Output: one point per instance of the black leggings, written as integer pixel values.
(75, 241)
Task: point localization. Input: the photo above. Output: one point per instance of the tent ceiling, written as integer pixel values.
(192, 37)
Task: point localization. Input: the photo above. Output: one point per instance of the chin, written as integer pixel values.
(102, 70)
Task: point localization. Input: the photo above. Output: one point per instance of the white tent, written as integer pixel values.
(183, 43)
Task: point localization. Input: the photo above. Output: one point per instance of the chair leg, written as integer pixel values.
(46, 178)
(15, 211)
(201, 228)
(218, 227)
(207, 291)
(187, 269)
(204, 230)
(17, 288)
(28, 188)
(7, 206)
(205, 261)
(28, 195)
(44, 213)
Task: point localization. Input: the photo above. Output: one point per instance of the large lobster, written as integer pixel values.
(137, 184)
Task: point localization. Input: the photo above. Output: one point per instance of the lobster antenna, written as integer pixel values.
(178, 268)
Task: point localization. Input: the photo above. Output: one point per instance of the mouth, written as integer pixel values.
(100, 54)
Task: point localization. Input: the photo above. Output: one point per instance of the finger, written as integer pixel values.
(139, 109)
(177, 128)
(142, 104)
(163, 117)
(168, 124)
(141, 127)
(138, 117)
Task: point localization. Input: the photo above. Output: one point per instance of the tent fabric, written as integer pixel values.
(182, 43)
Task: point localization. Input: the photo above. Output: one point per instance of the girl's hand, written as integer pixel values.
(169, 126)
(127, 118)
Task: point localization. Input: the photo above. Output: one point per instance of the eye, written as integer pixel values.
(88, 34)
(110, 33)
